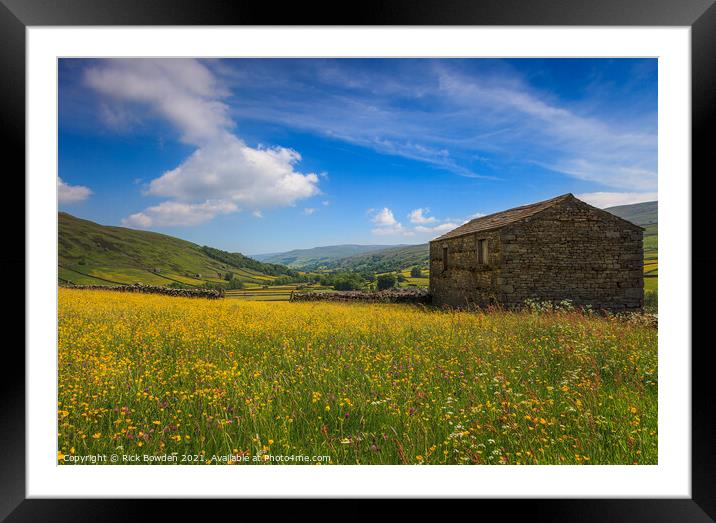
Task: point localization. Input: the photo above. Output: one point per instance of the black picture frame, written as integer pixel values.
(16, 15)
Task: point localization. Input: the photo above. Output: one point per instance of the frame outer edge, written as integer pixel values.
(12, 103)
(12, 147)
(703, 114)
(368, 12)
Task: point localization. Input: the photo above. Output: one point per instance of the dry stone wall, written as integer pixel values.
(386, 296)
(152, 289)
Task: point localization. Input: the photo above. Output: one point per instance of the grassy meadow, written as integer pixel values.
(153, 375)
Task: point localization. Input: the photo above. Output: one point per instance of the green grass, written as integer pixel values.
(651, 266)
(68, 275)
(423, 281)
(130, 276)
(651, 260)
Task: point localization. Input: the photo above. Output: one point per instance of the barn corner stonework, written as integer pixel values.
(560, 249)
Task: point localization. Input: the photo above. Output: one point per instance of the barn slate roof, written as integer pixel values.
(502, 218)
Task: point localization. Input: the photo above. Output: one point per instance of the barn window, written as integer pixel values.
(445, 260)
(481, 252)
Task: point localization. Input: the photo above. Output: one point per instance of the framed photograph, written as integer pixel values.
(439, 253)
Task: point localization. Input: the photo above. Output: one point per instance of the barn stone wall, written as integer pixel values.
(571, 251)
(465, 283)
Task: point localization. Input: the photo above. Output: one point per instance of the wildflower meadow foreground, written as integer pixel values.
(165, 380)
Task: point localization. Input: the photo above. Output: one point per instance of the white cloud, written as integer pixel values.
(229, 169)
(71, 193)
(118, 118)
(223, 174)
(168, 214)
(308, 211)
(438, 229)
(610, 199)
(437, 157)
(418, 216)
(183, 91)
(387, 225)
(609, 174)
(469, 218)
(385, 218)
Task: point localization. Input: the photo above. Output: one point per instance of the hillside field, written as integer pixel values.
(210, 381)
(94, 254)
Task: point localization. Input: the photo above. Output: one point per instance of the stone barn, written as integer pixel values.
(558, 249)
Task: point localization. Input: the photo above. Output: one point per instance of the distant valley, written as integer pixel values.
(316, 256)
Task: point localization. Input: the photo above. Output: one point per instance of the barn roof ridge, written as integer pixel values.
(500, 219)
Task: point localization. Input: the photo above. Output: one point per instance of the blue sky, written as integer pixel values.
(266, 155)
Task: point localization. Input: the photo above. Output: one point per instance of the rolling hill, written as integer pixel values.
(90, 253)
(643, 214)
(385, 260)
(318, 256)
